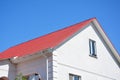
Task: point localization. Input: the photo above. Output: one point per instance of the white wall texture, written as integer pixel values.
(37, 65)
(73, 57)
(4, 69)
(7, 69)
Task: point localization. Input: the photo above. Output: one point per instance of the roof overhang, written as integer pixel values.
(46, 52)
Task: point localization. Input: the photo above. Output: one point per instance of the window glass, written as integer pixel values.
(34, 77)
(74, 77)
(92, 45)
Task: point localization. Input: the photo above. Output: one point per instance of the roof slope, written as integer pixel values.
(41, 43)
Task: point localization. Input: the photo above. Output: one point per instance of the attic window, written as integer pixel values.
(92, 47)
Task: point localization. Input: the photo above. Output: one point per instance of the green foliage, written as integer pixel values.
(20, 77)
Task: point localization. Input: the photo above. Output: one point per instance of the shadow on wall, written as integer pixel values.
(7, 70)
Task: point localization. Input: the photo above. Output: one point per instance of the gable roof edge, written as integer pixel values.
(107, 40)
(75, 33)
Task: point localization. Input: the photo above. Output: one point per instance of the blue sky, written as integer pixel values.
(22, 20)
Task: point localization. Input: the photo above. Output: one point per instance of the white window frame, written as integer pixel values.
(92, 48)
(73, 77)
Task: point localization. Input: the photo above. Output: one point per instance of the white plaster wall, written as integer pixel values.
(37, 65)
(7, 69)
(73, 57)
(4, 69)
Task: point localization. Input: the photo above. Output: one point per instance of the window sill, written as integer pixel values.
(94, 56)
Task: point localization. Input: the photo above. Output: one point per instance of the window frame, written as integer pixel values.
(73, 76)
(92, 48)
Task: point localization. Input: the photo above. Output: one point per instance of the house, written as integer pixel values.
(78, 52)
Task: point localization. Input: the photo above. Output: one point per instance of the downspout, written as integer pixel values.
(46, 66)
(14, 76)
(48, 51)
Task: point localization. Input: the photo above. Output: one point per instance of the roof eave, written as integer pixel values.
(46, 52)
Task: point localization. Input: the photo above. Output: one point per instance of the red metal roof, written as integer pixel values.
(41, 43)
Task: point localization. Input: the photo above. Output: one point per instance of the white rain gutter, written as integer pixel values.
(46, 66)
(49, 51)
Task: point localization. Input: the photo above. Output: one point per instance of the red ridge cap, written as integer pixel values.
(41, 43)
